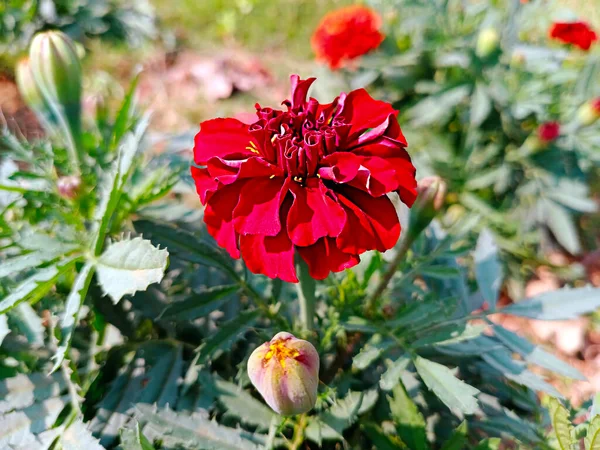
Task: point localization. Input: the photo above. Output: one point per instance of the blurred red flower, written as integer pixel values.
(345, 34)
(580, 34)
(549, 131)
(312, 178)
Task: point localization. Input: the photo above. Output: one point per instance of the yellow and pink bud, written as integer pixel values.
(285, 370)
(589, 112)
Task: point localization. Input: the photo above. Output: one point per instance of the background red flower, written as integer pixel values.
(312, 179)
(345, 34)
(580, 34)
(549, 131)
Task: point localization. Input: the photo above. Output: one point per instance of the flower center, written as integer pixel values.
(280, 352)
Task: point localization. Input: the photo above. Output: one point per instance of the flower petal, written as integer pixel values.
(218, 217)
(314, 213)
(363, 112)
(324, 256)
(257, 212)
(223, 138)
(340, 167)
(205, 184)
(229, 171)
(372, 222)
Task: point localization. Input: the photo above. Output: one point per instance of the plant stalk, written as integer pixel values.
(306, 295)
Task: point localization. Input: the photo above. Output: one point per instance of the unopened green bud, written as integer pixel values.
(431, 194)
(589, 112)
(487, 42)
(56, 69)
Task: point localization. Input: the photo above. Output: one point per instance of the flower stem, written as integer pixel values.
(306, 295)
(298, 437)
(405, 243)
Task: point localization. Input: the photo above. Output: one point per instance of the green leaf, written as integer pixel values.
(22, 391)
(126, 267)
(489, 444)
(226, 336)
(437, 108)
(563, 226)
(72, 307)
(453, 392)
(391, 377)
(439, 272)
(330, 424)
(536, 355)
(4, 330)
(562, 304)
(371, 351)
(25, 321)
(134, 439)
(410, 423)
(458, 440)
(592, 438)
(450, 334)
(481, 105)
(240, 403)
(184, 245)
(561, 423)
(380, 440)
(184, 431)
(78, 437)
(36, 286)
(31, 260)
(199, 304)
(150, 377)
(595, 406)
(123, 119)
(488, 268)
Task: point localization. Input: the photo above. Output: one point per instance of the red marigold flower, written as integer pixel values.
(549, 131)
(345, 34)
(312, 178)
(580, 34)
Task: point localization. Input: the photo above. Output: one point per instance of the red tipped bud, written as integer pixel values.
(548, 132)
(589, 112)
(431, 194)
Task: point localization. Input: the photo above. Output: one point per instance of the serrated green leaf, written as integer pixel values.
(481, 105)
(126, 267)
(228, 334)
(372, 350)
(240, 403)
(536, 355)
(592, 438)
(179, 430)
(31, 260)
(199, 304)
(562, 304)
(410, 423)
(72, 307)
(561, 423)
(453, 392)
(391, 377)
(22, 391)
(563, 226)
(123, 119)
(458, 440)
(489, 444)
(380, 440)
(78, 437)
(488, 268)
(26, 322)
(36, 286)
(134, 439)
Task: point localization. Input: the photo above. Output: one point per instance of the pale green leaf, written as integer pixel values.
(481, 105)
(410, 423)
(134, 439)
(391, 376)
(371, 351)
(26, 322)
(240, 403)
(4, 330)
(36, 286)
(488, 268)
(458, 440)
(592, 438)
(73, 305)
(31, 260)
(563, 226)
(450, 335)
(78, 437)
(129, 266)
(23, 390)
(199, 304)
(561, 423)
(455, 394)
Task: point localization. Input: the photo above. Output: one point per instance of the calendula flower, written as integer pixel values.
(548, 132)
(345, 34)
(285, 371)
(580, 34)
(310, 179)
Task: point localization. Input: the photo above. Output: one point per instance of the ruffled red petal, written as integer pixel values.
(205, 184)
(257, 211)
(223, 138)
(229, 171)
(324, 256)
(363, 112)
(218, 216)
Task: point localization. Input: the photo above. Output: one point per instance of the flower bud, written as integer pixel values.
(285, 371)
(68, 187)
(56, 69)
(32, 95)
(431, 193)
(548, 132)
(589, 112)
(487, 42)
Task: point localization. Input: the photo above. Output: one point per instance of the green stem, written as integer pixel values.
(298, 437)
(405, 243)
(306, 295)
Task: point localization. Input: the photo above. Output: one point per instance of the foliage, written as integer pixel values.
(472, 117)
(117, 20)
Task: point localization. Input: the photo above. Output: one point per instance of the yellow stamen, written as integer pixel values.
(281, 352)
(272, 176)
